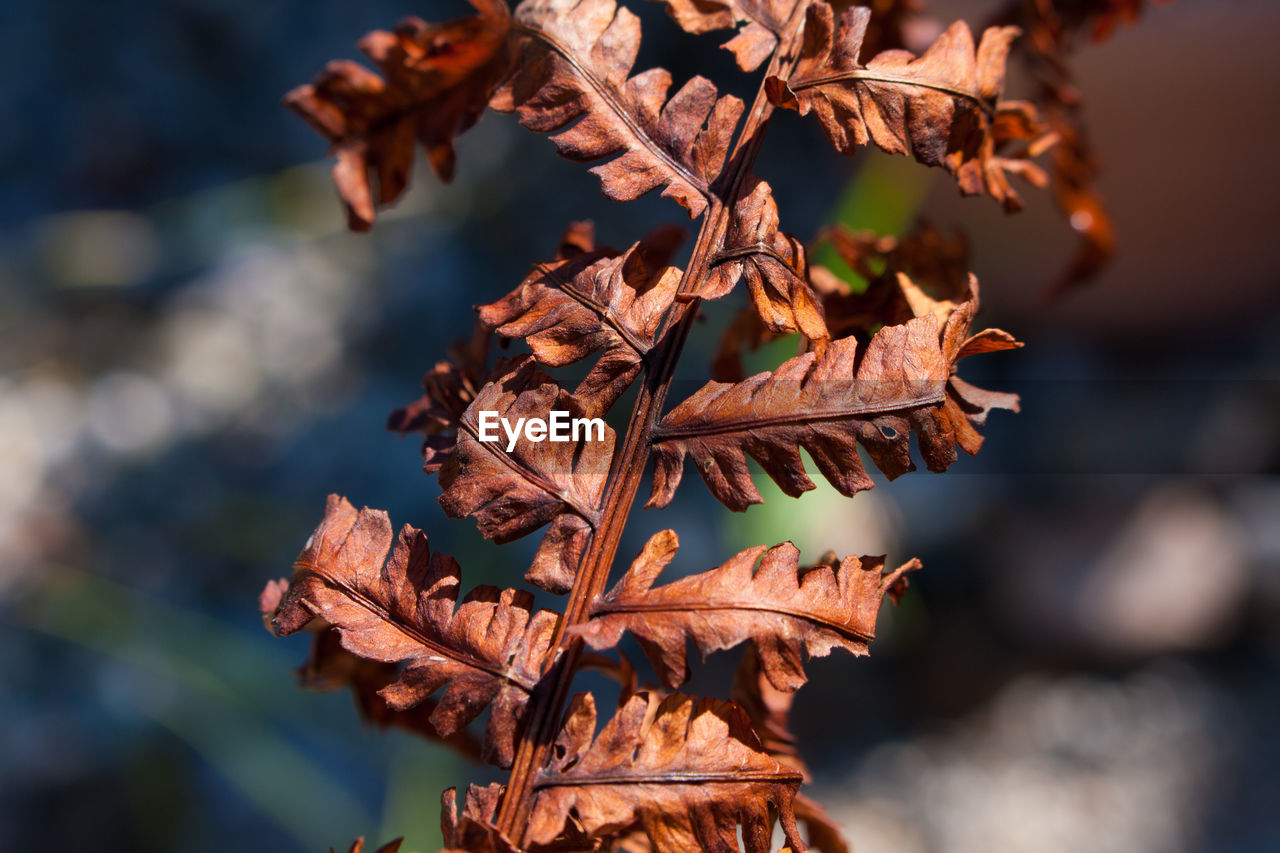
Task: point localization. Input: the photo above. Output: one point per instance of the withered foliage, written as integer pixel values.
(901, 383)
(574, 78)
(405, 609)
(436, 80)
(944, 107)
(1052, 29)
(877, 364)
(591, 300)
(760, 595)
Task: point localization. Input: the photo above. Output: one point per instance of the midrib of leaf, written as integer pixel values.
(606, 94)
(664, 433)
(409, 631)
(682, 606)
(749, 14)
(606, 316)
(735, 777)
(869, 76)
(749, 251)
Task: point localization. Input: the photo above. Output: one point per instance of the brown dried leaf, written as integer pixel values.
(761, 595)
(487, 652)
(331, 667)
(773, 263)
(767, 708)
(758, 24)
(822, 832)
(573, 78)
(828, 404)
(448, 388)
(688, 771)
(570, 308)
(1051, 29)
(943, 107)
(939, 263)
(473, 831)
(1075, 170)
(514, 492)
(436, 80)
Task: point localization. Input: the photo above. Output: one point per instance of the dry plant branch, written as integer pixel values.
(666, 772)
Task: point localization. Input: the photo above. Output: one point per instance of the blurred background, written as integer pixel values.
(193, 353)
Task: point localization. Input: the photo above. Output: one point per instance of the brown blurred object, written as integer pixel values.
(1190, 222)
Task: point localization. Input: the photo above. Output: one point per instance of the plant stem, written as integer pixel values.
(547, 703)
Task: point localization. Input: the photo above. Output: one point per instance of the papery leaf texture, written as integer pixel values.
(573, 77)
(761, 595)
(689, 771)
(473, 831)
(331, 667)
(901, 382)
(514, 492)
(485, 651)
(447, 389)
(774, 266)
(943, 107)
(436, 80)
(939, 263)
(758, 24)
(597, 300)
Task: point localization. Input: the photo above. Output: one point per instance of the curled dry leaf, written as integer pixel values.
(758, 24)
(773, 264)
(436, 80)
(943, 107)
(1051, 30)
(902, 382)
(473, 831)
(594, 301)
(937, 262)
(331, 667)
(767, 708)
(486, 653)
(573, 78)
(1075, 170)
(448, 388)
(514, 492)
(761, 595)
(689, 771)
